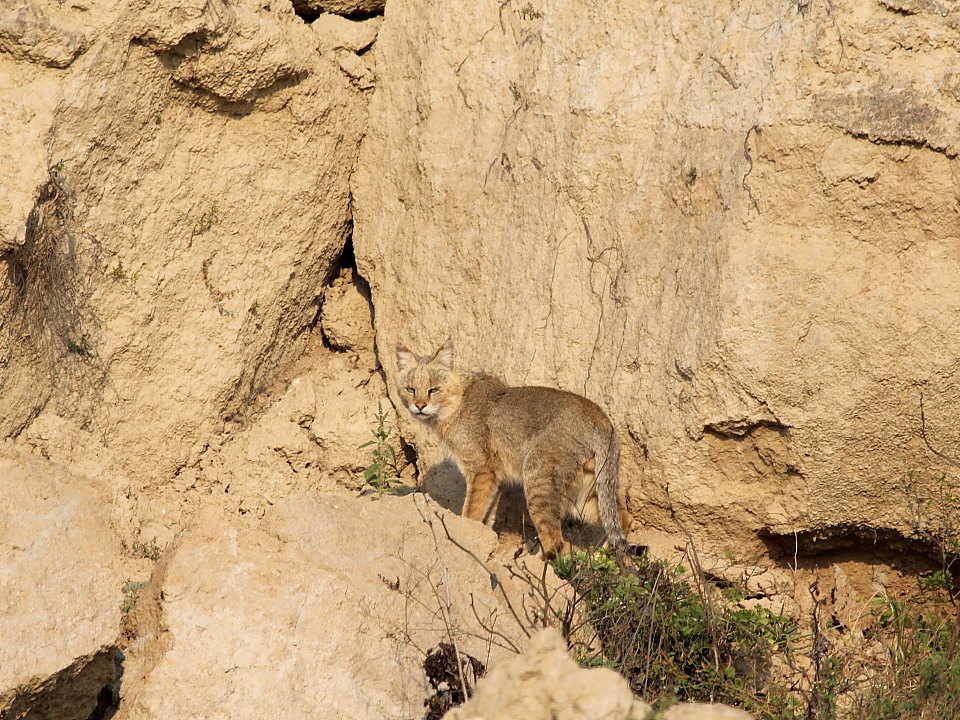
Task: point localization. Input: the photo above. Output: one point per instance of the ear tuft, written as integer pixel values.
(445, 355)
(405, 358)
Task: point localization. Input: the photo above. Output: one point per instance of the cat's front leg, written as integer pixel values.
(482, 493)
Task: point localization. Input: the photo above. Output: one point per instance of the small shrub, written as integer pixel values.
(209, 218)
(675, 641)
(147, 550)
(79, 347)
(920, 673)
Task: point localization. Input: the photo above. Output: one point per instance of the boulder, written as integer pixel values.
(328, 607)
(545, 683)
(179, 198)
(62, 576)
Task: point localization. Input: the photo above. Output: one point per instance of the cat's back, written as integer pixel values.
(533, 408)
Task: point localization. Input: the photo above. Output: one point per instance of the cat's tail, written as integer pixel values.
(607, 459)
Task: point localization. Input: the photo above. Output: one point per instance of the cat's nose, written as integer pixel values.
(420, 406)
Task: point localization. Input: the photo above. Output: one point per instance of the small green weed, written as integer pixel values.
(383, 474)
(920, 674)
(131, 594)
(207, 220)
(79, 348)
(147, 550)
(121, 274)
(527, 12)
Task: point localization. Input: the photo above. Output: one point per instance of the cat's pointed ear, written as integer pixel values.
(405, 358)
(444, 355)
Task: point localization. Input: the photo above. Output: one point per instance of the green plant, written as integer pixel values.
(919, 676)
(79, 348)
(147, 550)
(383, 474)
(675, 639)
(527, 12)
(131, 594)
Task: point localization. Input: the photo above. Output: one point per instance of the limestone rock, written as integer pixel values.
(546, 684)
(346, 320)
(308, 438)
(181, 193)
(704, 711)
(336, 32)
(735, 230)
(313, 610)
(232, 50)
(27, 33)
(61, 590)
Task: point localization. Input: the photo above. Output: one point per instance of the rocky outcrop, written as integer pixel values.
(329, 607)
(734, 228)
(182, 201)
(62, 574)
(28, 32)
(545, 683)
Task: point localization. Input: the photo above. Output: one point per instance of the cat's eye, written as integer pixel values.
(433, 390)
(410, 390)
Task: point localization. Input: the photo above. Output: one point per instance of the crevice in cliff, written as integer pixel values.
(108, 699)
(308, 13)
(343, 271)
(743, 428)
(827, 546)
(49, 327)
(87, 689)
(916, 144)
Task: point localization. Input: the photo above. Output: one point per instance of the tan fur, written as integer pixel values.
(560, 446)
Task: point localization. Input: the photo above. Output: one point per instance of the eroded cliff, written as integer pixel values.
(734, 227)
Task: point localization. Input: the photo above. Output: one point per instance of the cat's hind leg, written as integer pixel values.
(545, 481)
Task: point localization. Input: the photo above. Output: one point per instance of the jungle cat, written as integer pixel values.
(559, 446)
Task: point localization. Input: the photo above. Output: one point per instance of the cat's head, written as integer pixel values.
(428, 384)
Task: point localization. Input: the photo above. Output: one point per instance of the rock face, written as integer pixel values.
(61, 590)
(735, 228)
(179, 198)
(314, 611)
